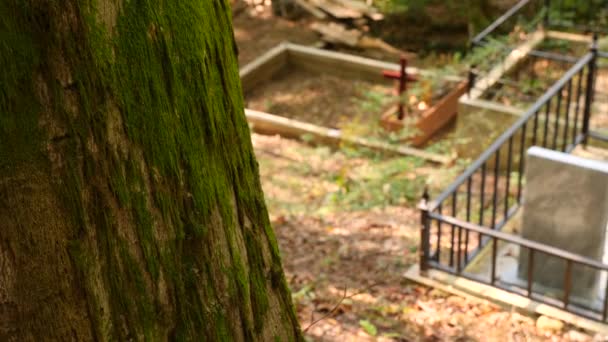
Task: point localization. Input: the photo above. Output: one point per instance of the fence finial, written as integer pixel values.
(594, 42)
(547, 14)
(425, 194)
(424, 199)
(471, 79)
(425, 237)
(590, 90)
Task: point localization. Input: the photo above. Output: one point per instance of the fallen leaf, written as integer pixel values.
(369, 327)
(424, 306)
(549, 324)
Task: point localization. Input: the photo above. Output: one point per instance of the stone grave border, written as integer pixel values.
(335, 63)
(475, 291)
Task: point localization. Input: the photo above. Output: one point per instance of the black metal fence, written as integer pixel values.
(589, 16)
(526, 74)
(517, 15)
(525, 18)
(470, 213)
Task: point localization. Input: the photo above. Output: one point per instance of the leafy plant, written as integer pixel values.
(369, 327)
(575, 12)
(377, 183)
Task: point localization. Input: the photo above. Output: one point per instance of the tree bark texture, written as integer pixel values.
(130, 201)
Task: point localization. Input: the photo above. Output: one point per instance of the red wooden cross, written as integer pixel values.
(403, 77)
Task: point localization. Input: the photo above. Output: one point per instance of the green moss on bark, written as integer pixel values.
(19, 134)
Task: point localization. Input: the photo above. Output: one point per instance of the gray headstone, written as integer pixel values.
(566, 206)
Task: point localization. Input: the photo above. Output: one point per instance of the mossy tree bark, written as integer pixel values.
(130, 202)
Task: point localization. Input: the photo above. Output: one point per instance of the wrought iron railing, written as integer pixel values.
(556, 14)
(533, 249)
(516, 29)
(491, 90)
(523, 19)
(506, 22)
(469, 214)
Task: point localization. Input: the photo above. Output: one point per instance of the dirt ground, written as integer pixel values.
(257, 31)
(321, 99)
(332, 101)
(345, 263)
(348, 230)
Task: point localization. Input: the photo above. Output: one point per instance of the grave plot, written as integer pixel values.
(296, 91)
(516, 78)
(321, 99)
(534, 74)
(430, 103)
(512, 78)
(537, 223)
(562, 190)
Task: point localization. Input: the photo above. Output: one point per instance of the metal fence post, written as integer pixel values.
(425, 232)
(547, 12)
(471, 80)
(590, 91)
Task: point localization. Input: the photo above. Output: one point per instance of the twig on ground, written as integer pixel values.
(339, 303)
(278, 155)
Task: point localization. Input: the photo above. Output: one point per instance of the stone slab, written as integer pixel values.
(266, 123)
(473, 291)
(479, 123)
(566, 206)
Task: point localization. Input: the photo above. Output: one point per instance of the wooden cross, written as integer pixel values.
(403, 77)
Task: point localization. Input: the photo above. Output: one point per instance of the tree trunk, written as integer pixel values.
(130, 201)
